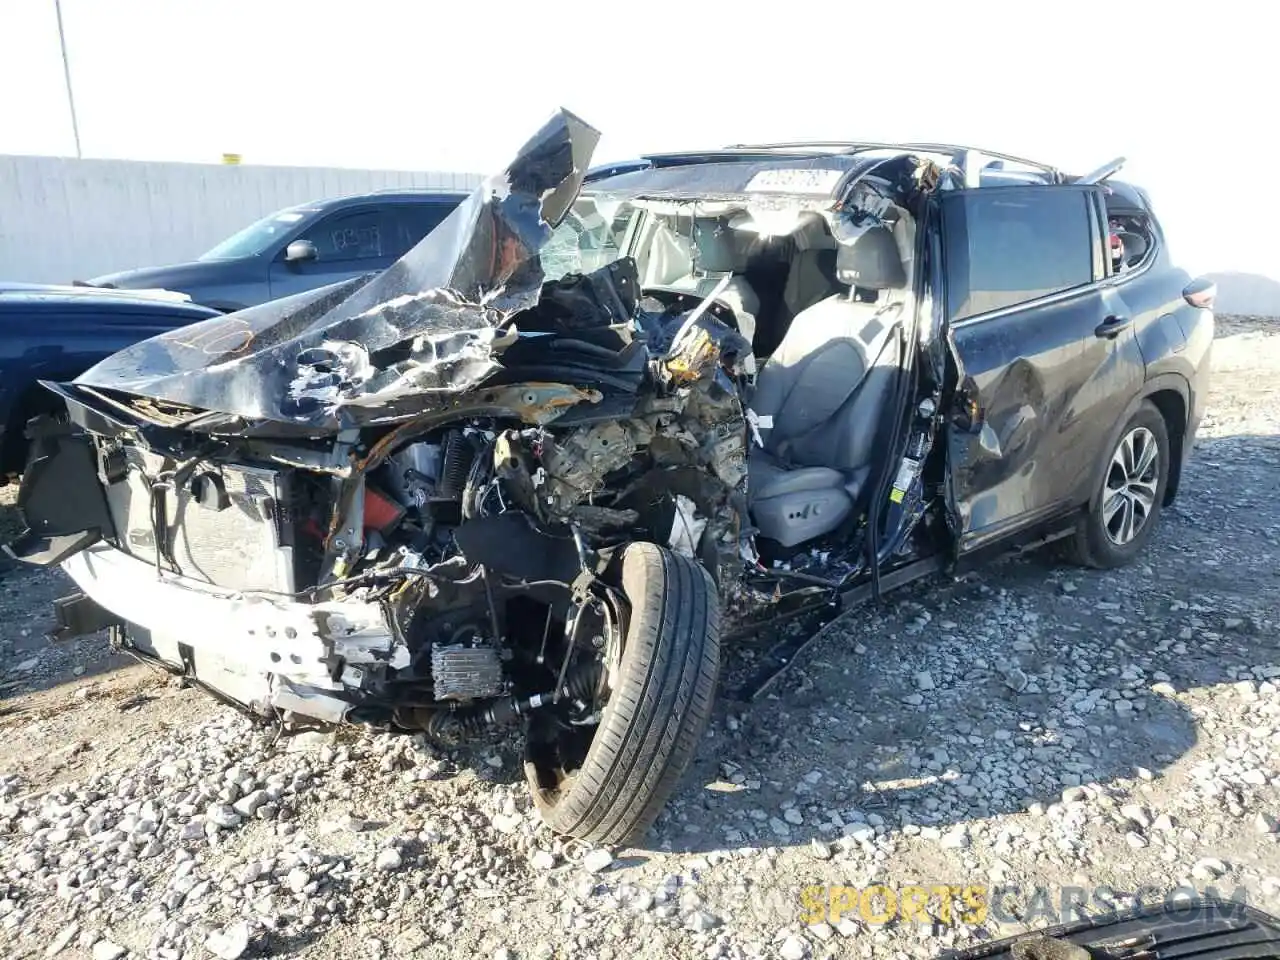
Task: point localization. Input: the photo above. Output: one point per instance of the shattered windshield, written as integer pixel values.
(592, 235)
(255, 239)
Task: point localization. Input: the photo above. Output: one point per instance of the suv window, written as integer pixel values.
(419, 219)
(363, 234)
(1005, 246)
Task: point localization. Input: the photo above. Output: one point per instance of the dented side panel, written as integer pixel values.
(1038, 397)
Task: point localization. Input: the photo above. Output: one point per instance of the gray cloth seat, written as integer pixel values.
(820, 398)
(715, 255)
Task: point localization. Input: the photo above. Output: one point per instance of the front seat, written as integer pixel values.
(820, 398)
(715, 256)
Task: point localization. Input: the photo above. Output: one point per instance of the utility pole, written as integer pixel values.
(66, 73)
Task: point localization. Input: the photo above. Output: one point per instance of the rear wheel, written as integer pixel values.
(608, 786)
(1122, 514)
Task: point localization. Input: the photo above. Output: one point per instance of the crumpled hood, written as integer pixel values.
(337, 356)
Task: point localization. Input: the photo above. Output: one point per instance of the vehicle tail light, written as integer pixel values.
(1200, 292)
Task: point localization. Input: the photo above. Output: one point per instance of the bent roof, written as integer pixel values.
(735, 172)
(733, 175)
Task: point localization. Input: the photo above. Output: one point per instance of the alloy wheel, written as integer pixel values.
(1129, 495)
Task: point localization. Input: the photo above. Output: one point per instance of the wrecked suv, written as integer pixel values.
(530, 477)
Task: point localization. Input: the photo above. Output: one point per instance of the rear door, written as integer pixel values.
(1045, 353)
(349, 242)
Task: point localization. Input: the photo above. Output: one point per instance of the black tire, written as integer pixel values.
(1095, 542)
(657, 712)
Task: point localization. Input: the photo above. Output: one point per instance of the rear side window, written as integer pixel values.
(419, 219)
(353, 235)
(1009, 246)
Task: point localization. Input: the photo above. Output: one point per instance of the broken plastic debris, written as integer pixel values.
(686, 527)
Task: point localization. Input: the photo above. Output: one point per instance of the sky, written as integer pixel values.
(1187, 93)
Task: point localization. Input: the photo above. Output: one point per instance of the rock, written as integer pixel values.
(1209, 868)
(924, 681)
(507, 822)
(230, 943)
(108, 950)
(597, 860)
(957, 838)
(913, 699)
(248, 805)
(860, 832)
(701, 922)
(1163, 823)
(1265, 823)
(1164, 689)
(1136, 813)
(821, 851)
(542, 860)
(1016, 680)
(1074, 794)
(347, 823)
(504, 953)
(793, 948)
(221, 815)
(1135, 840)
(793, 816)
(61, 939)
(409, 941)
(388, 860)
(297, 880)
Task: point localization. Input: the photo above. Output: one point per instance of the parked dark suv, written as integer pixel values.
(299, 248)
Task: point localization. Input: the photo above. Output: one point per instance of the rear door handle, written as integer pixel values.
(1111, 326)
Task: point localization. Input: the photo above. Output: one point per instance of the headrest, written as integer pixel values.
(812, 233)
(714, 248)
(1135, 246)
(869, 259)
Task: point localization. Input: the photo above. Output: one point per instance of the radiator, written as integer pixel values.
(229, 537)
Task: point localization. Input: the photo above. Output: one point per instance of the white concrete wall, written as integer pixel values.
(63, 219)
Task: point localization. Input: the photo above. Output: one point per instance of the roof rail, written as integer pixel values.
(956, 152)
(412, 189)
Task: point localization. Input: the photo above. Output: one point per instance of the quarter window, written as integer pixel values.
(419, 219)
(1006, 247)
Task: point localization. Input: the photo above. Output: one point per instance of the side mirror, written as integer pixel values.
(300, 251)
(1200, 292)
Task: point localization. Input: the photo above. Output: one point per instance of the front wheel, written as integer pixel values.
(1122, 515)
(658, 707)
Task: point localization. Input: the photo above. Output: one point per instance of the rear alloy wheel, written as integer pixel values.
(1122, 514)
(608, 785)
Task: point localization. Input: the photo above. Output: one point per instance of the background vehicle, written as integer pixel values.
(485, 488)
(56, 333)
(299, 248)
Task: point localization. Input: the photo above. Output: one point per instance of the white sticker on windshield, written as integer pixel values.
(794, 181)
(288, 217)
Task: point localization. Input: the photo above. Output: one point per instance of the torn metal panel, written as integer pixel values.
(332, 357)
(264, 634)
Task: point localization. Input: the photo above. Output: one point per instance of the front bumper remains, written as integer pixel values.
(269, 653)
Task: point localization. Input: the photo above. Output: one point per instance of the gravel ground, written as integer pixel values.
(1032, 725)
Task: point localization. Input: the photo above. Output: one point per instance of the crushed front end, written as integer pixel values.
(399, 500)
